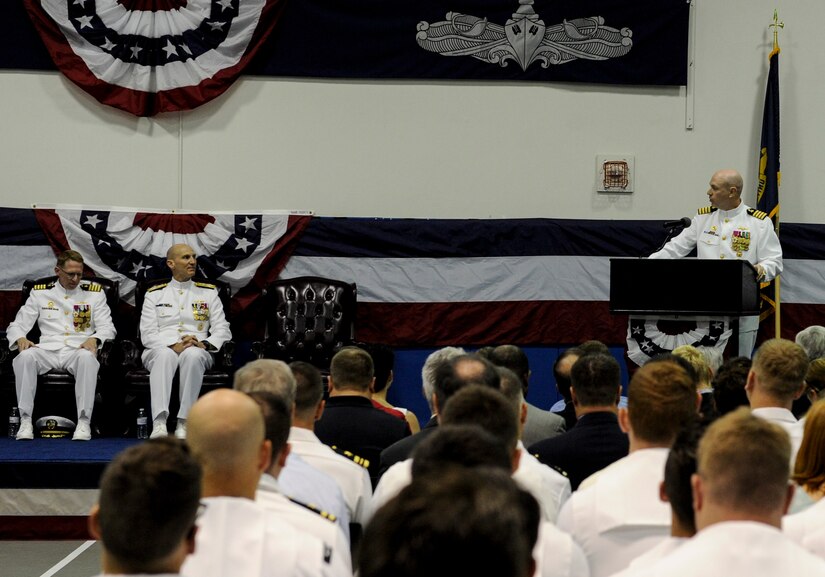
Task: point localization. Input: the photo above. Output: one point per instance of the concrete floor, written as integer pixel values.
(49, 558)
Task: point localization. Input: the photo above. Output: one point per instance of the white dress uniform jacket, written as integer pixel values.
(239, 538)
(173, 310)
(309, 519)
(619, 516)
(785, 419)
(353, 479)
(808, 527)
(66, 318)
(734, 548)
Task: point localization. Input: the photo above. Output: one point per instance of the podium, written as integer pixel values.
(685, 288)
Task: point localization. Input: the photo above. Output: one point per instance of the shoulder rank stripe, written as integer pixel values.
(43, 286)
(206, 285)
(328, 516)
(158, 287)
(706, 210)
(352, 457)
(757, 214)
(92, 287)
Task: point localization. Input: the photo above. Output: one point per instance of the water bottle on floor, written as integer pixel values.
(14, 422)
(142, 424)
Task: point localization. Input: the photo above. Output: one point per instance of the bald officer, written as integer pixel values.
(181, 323)
(729, 229)
(74, 320)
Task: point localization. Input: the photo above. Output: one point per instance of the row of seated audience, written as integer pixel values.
(674, 483)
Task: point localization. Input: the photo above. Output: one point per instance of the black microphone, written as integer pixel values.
(683, 222)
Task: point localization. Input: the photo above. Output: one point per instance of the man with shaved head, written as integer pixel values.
(182, 321)
(729, 229)
(236, 536)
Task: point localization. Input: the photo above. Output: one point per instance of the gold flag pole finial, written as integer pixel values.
(776, 25)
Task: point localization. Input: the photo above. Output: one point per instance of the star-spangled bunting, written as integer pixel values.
(151, 56)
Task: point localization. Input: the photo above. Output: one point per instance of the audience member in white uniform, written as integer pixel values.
(808, 526)
(476, 522)
(145, 514)
(305, 516)
(237, 536)
(616, 514)
(775, 381)
(181, 322)
(675, 490)
(740, 493)
(298, 479)
(74, 320)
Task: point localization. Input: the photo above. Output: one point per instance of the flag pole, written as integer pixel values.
(776, 25)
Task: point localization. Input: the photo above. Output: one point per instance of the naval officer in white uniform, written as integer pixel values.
(181, 323)
(74, 320)
(729, 229)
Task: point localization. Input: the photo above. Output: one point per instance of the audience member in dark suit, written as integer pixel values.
(450, 372)
(350, 422)
(540, 424)
(597, 440)
(561, 372)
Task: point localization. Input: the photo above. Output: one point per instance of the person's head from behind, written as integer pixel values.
(595, 382)
(729, 385)
(351, 370)
(809, 469)
(383, 361)
(742, 471)
(277, 422)
(466, 445)
(463, 522)
(428, 370)
(266, 375)
(487, 408)
(697, 360)
(515, 359)
(812, 341)
(460, 371)
(562, 367)
(815, 381)
(148, 502)
(676, 486)
(777, 374)
(309, 392)
(661, 400)
(227, 434)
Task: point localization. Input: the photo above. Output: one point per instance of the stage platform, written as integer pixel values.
(47, 486)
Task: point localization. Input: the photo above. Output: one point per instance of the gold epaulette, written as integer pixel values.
(707, 210)
(352, 457)
(91, 287)
(158, 287)
(43, 286)
(757, 214)
(206, 285)
(314, 509)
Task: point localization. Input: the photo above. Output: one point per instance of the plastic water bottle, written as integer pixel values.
(14, 422)
(142, 424)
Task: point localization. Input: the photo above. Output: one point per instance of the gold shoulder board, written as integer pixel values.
(757, 214)
(206, 285)
(316, 510)
(92, 287)
(352, 457)
(157, 287)
(706, 210)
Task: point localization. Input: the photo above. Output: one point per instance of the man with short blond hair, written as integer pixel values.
(740, 492)
(775, 381)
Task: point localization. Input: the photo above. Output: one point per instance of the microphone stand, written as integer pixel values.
(670, 234)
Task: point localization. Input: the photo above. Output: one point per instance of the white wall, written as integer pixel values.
(436, 149)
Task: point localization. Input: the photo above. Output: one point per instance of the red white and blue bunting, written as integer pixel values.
(646, 340)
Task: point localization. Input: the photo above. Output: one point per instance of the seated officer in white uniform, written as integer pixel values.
(73, 320)
(728, 229)
(181, 323)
